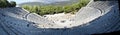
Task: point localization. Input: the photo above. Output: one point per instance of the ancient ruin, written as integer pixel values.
(99, 16)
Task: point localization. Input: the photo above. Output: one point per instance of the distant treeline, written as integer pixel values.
(42, 10)
(5, 3)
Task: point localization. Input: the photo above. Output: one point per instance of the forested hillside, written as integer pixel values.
(50, 9)
(62, 3)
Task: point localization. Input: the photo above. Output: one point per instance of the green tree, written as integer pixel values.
(12, 4)
(5, 3)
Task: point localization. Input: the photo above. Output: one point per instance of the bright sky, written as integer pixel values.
(44, 1)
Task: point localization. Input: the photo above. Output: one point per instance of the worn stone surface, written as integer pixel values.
(96, 17)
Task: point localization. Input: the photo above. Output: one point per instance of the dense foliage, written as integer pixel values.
(5, 3)
(42, 10)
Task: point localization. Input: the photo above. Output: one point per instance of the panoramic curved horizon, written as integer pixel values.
(95, 18)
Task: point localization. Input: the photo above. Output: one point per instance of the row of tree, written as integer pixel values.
(5, 3)
(42, 10)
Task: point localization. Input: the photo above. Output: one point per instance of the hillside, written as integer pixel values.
(63, 3)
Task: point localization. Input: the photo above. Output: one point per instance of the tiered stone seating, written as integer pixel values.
(96, 17)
